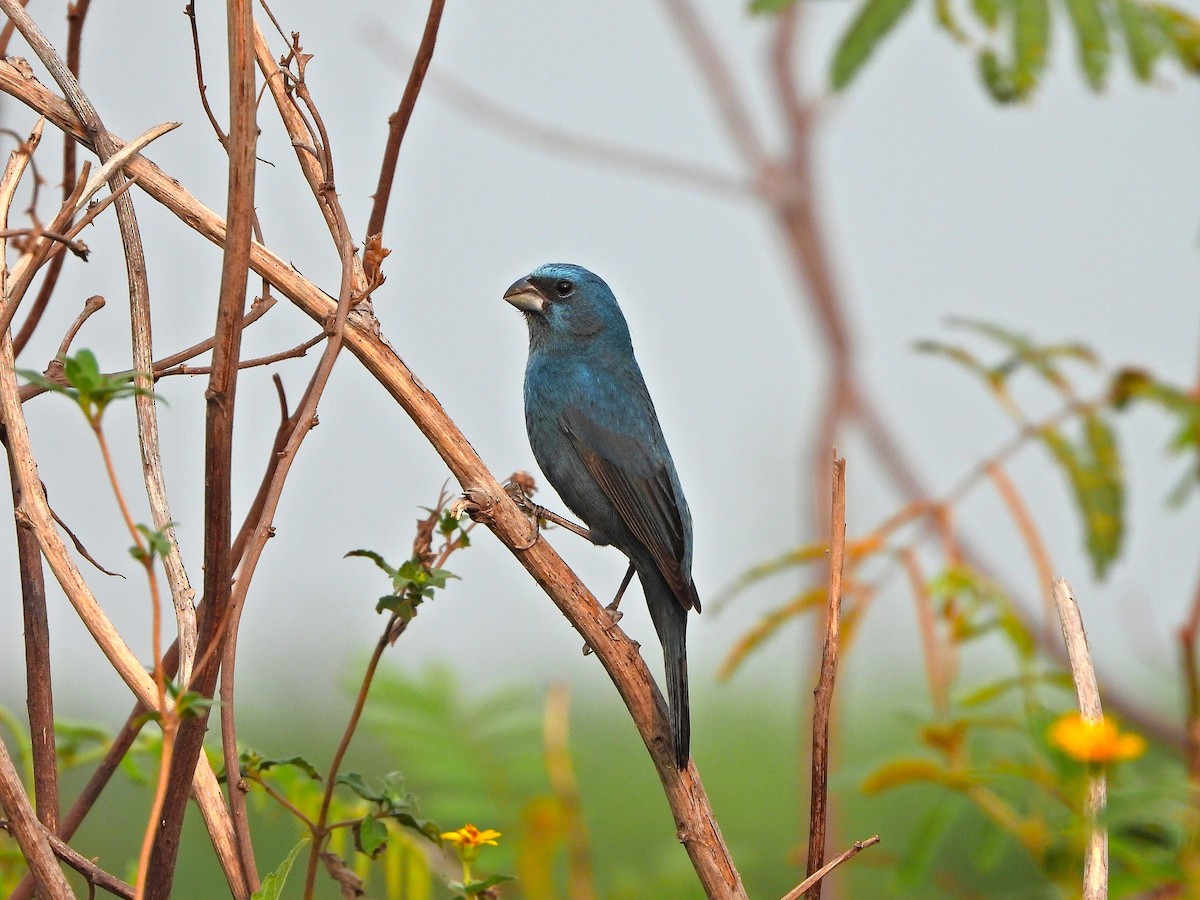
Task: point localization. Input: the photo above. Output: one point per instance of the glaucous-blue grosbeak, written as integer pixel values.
(595, 435)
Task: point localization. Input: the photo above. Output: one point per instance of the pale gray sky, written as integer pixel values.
(1073, 217)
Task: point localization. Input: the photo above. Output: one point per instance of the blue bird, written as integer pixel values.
(595, 435)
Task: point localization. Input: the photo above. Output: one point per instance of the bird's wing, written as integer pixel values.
(641, 489)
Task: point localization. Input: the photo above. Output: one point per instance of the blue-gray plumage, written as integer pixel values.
(595, 435)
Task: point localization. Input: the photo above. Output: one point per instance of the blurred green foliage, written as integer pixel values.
(1011, 39)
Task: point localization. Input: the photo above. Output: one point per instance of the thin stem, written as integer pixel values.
(823, 698)
(168, 715)
(398, 121)
(39, 696)
(320, 828)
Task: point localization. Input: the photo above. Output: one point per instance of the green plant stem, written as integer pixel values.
(289, 806)
(321, 830)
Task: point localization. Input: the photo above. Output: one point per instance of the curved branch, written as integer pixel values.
(694, 818)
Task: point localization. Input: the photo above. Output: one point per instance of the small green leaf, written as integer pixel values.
(375, 558)
(252, 763)
(1183, 32)
(901, 772)
(915, 864)
(1031, 39)
(874, 20)
(424, 827)
(272, 885)
(370, 836)
(997, 78)
(478, 887)
(1091, 36)
(943, 11)
(769, 7)
(1094, 473)
(1144, 38)
(403, 606)
(988, 12)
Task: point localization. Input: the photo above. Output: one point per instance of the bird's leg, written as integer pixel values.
(613, 612)
(540, 513)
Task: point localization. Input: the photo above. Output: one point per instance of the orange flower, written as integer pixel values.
(1099, 742)
(471, 838)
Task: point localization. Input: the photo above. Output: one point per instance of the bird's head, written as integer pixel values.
(564, 301)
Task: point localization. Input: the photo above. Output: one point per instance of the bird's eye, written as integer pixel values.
(564, 288)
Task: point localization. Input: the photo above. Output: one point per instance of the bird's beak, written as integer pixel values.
(525, 297)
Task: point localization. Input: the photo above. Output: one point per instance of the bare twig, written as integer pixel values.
(511, 124)
(96, 876)
(38, 693)
(76, 16)
(815, 878)
(105, 146)
(39, 696)
(823, 695)
(91, 306)
(75, 247)
(173, 364)
(695, 821)
(218, 454)
(735, 116)
(92, 790)
(1087, 690)
(937, 669)
(29, 832)
(202, 88)
(1029, 534)
(296, 352)
(398, 121)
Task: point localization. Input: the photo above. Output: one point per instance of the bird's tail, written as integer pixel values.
(670, 621)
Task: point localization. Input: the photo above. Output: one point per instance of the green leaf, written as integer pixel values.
(988, 12)
(901, 772)
(874, 20)
(1091, 36)
(370, 836)
(943, 11)
(427, 828)
(1093, 470)
(388, 792)
(375, 558)
(478, 887)
(252, 763)
(1144, 38)
(996, 689)
(272, 885)
(769, 7)
(1183, 32)
(1031, 39)
(927, 838)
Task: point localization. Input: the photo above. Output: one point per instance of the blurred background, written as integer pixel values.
(1071, 217)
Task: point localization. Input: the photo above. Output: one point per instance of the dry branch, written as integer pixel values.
(823, 695)
(815, 878)
(696, 824)
(1087, 690)
(30, 835)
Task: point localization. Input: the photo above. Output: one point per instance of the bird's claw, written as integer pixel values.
(615, 615)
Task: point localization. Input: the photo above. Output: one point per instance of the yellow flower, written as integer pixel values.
(1095, 741)
(469, 837)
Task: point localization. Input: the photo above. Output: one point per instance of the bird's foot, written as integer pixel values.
(520, 486)
(615, 615)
